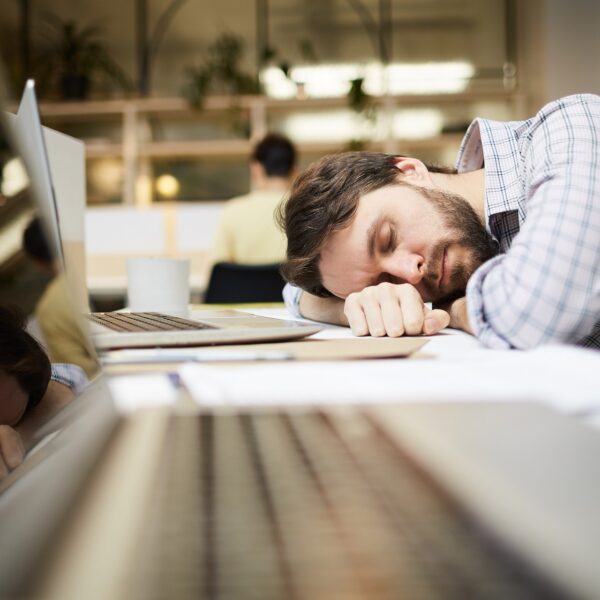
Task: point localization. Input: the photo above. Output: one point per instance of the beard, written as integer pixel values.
(463, 229)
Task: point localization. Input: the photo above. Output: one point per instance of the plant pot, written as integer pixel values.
(74, 86)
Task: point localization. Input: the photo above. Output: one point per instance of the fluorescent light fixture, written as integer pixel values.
(276, 84)
(343, 125)
(417, 124)
(334, 80)
(337, 126)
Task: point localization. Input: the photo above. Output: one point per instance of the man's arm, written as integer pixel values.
(545, 288)
(459, 316)
(325, 310)
(382, 310)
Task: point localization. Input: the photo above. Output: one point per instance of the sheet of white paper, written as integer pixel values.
(564, 377)
(133, 392)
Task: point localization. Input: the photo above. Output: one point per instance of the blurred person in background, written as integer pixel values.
(247, 232)
(61, 333)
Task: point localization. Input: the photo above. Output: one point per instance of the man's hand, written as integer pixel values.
(12, 450)
(392, 310)
(459, 318)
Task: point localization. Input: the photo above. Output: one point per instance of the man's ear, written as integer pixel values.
(413, 171)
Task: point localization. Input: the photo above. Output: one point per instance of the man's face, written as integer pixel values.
(13, 400)
(407, 234)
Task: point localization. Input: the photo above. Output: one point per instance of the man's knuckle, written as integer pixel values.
(395, 331)
(359, 330)
(413, 324)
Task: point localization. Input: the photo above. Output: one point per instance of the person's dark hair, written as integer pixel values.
(23, 358)
(323, 199)
(35, 243)
(276, 154)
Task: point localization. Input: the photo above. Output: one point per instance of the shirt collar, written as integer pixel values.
(494, 145)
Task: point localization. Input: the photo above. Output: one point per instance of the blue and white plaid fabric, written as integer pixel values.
(542, 194)
(291, 297)
(70, 375)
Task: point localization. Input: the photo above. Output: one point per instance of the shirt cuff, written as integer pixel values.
(476, 308)
(72, 376)
(291, 297)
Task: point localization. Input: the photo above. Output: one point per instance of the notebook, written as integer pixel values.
(410, 501)
(115, 330)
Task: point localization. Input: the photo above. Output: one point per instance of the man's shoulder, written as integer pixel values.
(254, 203)
(238, 201)
(567, 105)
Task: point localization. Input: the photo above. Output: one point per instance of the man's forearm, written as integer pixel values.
(325, 310)
(459, 318)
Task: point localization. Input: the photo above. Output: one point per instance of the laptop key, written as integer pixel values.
(146, 321)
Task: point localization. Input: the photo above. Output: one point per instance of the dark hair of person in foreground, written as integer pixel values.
(22, 357)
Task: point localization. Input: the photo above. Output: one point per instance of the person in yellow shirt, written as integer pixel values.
(247, 232)
(63, 338)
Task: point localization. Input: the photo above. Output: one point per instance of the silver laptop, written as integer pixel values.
(413, 501)
(149, 329)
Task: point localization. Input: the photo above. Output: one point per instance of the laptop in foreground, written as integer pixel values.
(380, 502)
(130, 330)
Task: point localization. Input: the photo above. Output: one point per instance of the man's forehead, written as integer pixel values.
(345, 264)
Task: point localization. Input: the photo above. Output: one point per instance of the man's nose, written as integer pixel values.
(407, 266)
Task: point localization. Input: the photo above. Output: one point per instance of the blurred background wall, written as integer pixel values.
(175, 93)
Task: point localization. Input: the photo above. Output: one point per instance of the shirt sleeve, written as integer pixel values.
(70, 375)
(546, 288)
(291, 297)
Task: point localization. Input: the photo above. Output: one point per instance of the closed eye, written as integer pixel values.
(389, 240)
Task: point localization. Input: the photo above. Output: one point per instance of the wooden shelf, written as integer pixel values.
(219, 103)
(131, 114)
(225, 148)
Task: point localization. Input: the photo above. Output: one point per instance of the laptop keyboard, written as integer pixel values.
(145, 321)
(306, 506)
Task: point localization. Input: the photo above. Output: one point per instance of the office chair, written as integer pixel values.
(232, 283)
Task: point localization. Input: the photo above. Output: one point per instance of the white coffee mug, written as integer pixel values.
(158, 284)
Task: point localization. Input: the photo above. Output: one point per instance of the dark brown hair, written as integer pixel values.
(276, 154)
(323, 199)
(22, 357)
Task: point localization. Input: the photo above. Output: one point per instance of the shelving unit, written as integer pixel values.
(137, 147)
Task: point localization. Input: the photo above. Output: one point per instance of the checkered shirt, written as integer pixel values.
(70, 375)
(542, 202)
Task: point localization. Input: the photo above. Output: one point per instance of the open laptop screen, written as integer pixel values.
(33, 496)
(30, 140)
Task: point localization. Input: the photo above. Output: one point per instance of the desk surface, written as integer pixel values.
(451, 366)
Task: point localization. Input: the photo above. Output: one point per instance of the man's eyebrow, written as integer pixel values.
(372, 234)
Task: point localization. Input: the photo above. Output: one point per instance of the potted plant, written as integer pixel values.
(76, 55)
(220, 72)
